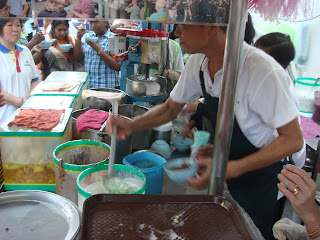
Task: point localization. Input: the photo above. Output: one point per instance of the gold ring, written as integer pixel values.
(295, 191)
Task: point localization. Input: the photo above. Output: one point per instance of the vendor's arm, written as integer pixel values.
(108, 60)
(289, 141)
(155, 117)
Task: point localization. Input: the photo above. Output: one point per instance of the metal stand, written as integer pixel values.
(223, 132)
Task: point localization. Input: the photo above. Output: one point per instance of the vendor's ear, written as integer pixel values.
(213, 30)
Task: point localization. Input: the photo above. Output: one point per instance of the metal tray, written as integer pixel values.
(111, 216)
(37, 215)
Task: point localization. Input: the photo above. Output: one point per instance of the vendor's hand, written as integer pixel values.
(303, 202)
(202, 179)
(192, 107)
(37, 38)
(81, 32)
(187, 133)
(204, 151)
(2, 100)
(124, 127)
(95, 45)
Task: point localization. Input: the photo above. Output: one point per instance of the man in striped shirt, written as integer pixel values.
(103, 69)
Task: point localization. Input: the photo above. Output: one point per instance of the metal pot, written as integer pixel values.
(99, 103)
(162, 132)
(124, 147)
(140, 139)
(136, 85)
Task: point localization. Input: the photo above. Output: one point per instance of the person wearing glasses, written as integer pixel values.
(102, 68)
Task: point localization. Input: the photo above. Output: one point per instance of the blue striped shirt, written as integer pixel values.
(100, 74)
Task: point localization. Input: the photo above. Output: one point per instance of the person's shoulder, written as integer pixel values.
(260, 60)
(109, 33)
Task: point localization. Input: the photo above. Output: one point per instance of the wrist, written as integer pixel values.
(20, 103)
(99, 52)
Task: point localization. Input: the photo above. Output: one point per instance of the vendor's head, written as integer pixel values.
(59, 29)
(200, 38)
(279, 46)
(99, 27)
(10, 30)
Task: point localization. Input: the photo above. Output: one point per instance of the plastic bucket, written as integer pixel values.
(151, 165)
(94, 176)
(71, 158)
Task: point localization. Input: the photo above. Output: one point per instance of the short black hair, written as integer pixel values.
(250, 31)
(279, 46)
(3, 22)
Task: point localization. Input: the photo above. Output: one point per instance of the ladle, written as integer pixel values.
(110, 177)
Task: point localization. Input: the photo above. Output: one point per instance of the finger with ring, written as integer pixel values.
(295, 191)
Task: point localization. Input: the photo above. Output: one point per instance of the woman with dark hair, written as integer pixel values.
(279, 46)
(54, 59)
(19, 75)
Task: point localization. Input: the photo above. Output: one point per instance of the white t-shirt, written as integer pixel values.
(13, 82)
(262, 85)
(175, 57)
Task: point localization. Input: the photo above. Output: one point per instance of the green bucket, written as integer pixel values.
(305, 89)
(73, 157)
(94, 176)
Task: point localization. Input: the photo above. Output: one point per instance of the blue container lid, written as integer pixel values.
(151, 161)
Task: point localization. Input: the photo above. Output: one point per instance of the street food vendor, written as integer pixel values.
(18, 73)
(266, 127)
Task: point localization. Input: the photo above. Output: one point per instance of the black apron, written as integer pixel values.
(255, 191)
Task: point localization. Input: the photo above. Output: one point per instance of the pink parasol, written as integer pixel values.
(272, 9)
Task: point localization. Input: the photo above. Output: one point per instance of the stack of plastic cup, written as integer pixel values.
(201, 138)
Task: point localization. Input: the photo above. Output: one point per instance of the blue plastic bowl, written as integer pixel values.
(92, 39)
(180, 144)
(45, 44)
(65, 47)
(76, 23)
(178, 173)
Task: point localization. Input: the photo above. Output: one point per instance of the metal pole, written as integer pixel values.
(231, 63)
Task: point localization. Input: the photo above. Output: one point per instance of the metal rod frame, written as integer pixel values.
(225, 117)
